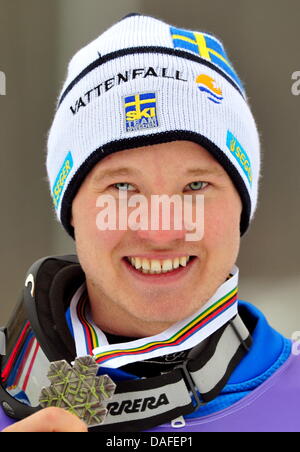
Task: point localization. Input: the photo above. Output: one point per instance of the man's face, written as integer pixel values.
(123, 299)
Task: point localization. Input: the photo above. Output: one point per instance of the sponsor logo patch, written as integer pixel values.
(61, 179)
(140, 111)
(207, 85)
(240, 155)
(137, 405)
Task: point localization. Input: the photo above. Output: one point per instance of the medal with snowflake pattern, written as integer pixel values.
(79, 390)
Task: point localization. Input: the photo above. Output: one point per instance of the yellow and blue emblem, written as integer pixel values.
(240, 155)
(207, 47)
(61, 179)
(140, 111)
(208, 85)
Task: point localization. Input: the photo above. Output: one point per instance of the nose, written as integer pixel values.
(161, 237)
(163, 227)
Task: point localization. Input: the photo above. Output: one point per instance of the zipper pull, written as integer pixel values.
(179, 422)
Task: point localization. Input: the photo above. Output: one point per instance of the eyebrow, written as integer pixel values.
(212, 171)
(124, 171)
(110, 173)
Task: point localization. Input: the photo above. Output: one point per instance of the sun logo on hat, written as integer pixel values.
(208, 85)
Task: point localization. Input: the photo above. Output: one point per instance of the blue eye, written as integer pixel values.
(122, 186)
(198, 185)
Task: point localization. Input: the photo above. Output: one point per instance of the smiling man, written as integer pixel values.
(136, 301)
(150, 110)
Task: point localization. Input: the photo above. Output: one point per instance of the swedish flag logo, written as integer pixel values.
(140, 111)
(206, 47)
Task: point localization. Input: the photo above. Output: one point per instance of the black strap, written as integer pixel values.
(145, 403)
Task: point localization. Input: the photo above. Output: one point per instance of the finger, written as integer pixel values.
(49, 420)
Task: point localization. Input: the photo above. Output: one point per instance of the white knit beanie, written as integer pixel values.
(144, 82)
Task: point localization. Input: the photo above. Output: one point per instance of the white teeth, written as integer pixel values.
(145, 264)
(176, 262)
(167, 265)
(155, 266)
(183, 261)
(137, 262)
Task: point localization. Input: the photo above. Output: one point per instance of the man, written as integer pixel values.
(151, 110)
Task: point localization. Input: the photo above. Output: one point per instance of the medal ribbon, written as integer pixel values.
(184, 335)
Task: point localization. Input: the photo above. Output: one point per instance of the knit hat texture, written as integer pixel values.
(145, 82)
